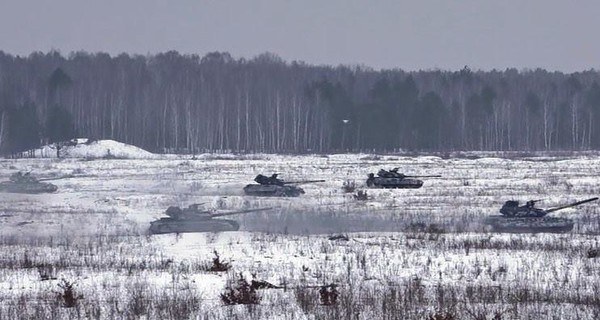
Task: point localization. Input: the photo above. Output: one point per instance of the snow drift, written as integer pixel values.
(95, 149)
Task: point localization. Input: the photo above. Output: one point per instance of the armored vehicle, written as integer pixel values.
(20, 182)
(275, 187)
(529, 219)
(394, 179)
(192, 219)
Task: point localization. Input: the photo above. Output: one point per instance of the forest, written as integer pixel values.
(170, 102)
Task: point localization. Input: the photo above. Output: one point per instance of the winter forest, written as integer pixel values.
(187, 103)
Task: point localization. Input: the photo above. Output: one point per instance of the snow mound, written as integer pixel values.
(95, 149)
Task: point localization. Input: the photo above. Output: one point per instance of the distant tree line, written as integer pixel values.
(187, 103)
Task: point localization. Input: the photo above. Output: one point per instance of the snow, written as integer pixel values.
(97, 149)
(97, 225)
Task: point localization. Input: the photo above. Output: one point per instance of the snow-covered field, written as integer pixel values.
(411, 254)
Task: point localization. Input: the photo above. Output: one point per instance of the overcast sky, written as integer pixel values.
(412, 35)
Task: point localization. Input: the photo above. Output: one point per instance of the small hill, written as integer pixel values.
(95, 149)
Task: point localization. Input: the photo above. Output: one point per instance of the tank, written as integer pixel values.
(395, 180)
(192, 219)
(529, 219)
(20, 182)
(275, 187)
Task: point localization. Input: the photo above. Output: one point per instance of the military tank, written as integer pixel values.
(192, 219)
(20, 182)
(394, 180)
(529, 219)
(275, 187)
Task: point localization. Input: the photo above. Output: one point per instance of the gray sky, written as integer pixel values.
(419, 34)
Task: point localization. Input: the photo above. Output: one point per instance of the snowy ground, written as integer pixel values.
(92, 231)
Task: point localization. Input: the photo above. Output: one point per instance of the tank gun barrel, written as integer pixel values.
(196, 205)
(302, 181)
(431, 176)
(65, 177)
(572, 204)
(533, 202)
(221, 214)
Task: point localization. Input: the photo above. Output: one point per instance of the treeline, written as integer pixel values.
(187, 103)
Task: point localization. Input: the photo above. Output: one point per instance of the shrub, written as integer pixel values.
(361, 195)
(328, 295)
(218, 265)
(68, 296)
(240, 292)
(349, 186)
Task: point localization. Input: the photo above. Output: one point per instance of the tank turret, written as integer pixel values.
(275, 187)
(20, 182)
(192, 219)
(529, 219)
(396, 180)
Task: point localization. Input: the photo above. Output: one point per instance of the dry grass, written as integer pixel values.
(410, 254)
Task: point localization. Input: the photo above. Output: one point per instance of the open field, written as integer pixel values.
(411, 254)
